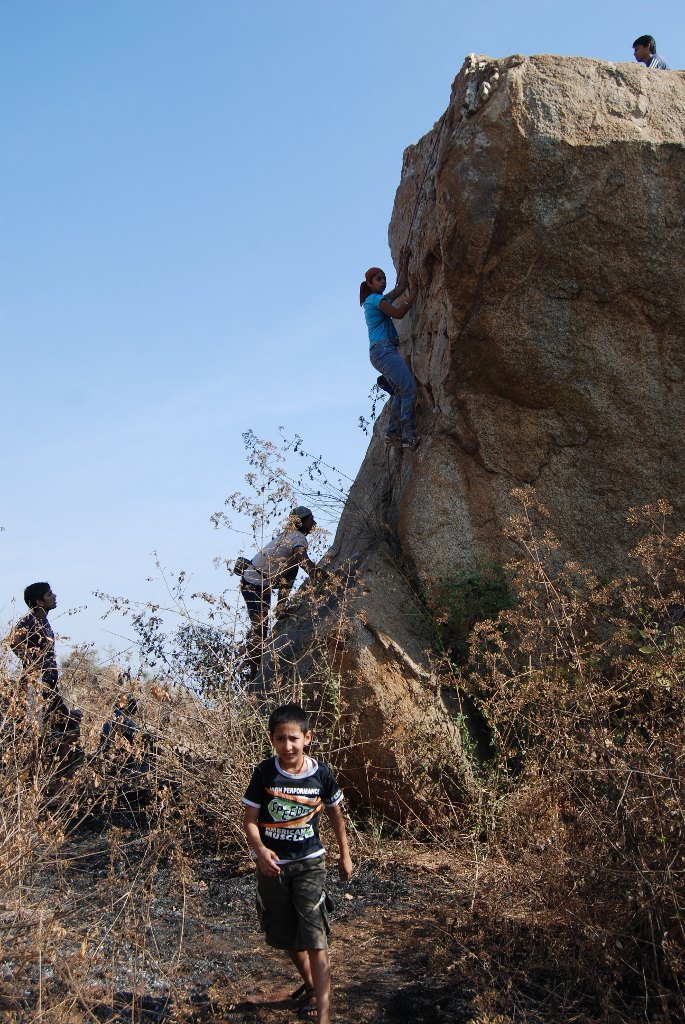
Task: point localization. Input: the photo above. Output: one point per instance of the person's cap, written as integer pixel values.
(302, 512)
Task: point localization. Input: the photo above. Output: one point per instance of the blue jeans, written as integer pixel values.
(386, 359)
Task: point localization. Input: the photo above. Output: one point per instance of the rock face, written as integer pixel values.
(547, 209)
(548, 335)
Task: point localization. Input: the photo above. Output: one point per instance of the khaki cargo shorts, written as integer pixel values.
(293, 907)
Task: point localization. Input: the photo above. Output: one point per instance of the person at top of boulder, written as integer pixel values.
(644, 49)
(380, 312)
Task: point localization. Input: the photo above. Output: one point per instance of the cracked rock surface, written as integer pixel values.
(547, 339)
(547, 216)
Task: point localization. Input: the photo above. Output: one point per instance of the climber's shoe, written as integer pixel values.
(384, 384)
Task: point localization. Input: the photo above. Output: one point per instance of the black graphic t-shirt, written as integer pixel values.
(289, 806)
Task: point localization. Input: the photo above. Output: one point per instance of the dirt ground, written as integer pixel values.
(386, 930)
(205, 959)
(124, 927)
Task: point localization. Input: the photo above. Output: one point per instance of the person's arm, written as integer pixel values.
(400, 311)
(18, 642)
(305, 562)
(405, 253)
(285, 584)
(345, 866)
(266, 858)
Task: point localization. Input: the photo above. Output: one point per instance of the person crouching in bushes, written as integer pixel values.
(380, 313)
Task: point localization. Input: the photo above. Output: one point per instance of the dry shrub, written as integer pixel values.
(99, 858)
(581, 685)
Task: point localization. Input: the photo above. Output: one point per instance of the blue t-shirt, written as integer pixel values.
(381, 327)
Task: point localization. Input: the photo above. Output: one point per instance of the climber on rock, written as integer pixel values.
(644, 49)
(275, 567)
(380, 312)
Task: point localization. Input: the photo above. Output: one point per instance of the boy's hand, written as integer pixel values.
(345, 867)
(266, 861)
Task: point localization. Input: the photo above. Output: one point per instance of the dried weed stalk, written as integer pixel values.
(581, 858)
(102, 897)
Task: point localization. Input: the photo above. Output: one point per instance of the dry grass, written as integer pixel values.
(580, 835)
(99, 888)
(556, 894)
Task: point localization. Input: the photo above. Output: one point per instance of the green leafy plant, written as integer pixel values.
(468, 598)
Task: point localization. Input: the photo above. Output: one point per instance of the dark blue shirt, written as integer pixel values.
(289, 806)
(33, 642)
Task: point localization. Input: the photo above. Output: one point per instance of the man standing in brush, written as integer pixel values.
(33, 642)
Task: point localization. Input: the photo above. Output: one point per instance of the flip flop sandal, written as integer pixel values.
(308, 1010)
(302, 994)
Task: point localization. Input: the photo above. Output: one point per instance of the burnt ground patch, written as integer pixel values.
(204, 958)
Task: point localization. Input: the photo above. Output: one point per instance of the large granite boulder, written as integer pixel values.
(547, 216)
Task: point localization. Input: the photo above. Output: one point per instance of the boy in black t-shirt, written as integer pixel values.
(282, 805)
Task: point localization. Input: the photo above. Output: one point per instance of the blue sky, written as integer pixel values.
(190, 194)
